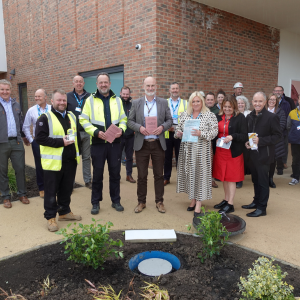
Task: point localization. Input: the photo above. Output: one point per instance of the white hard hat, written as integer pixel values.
(238, 85)
(202, 93)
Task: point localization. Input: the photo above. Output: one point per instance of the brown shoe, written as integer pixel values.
(42, 194)
(7, 203)
(69, 217)
(160, 207)
(24, 200)
(88, 185)
(52, 225)
(213, 184)
(166, 182)
(130, 179)
(140, 207)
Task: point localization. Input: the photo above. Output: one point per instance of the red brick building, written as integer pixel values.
(203, 48)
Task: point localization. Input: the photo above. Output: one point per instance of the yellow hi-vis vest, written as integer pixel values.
(92, 116)
(182, 107)
(51, 158)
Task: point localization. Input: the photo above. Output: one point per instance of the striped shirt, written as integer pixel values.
(11, 123)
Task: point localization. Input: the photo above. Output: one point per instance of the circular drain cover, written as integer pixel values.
(155, 267)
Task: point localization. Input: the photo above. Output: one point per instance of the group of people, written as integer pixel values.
(100, 125)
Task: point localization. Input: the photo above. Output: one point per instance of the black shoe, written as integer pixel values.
(249, 206)
(239, 184)
(279, 172)
(191, 208)
(292, 175)
(196, 220)
(117, 206)
(229, 208)
(221, 204)
(95, 209)
(257, 213)
(271, 183)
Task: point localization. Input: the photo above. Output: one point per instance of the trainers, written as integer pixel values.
(52, 225)
(160, 207)
(294, 181)
(95, 209)
(69, 217)
(117, 206)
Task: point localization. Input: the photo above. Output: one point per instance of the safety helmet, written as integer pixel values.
(238, 85)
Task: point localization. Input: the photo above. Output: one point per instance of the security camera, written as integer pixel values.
(138, 47)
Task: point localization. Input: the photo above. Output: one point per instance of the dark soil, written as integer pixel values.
(216, 279)
(32, 188)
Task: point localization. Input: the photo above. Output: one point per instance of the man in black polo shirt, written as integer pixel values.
(76, 100)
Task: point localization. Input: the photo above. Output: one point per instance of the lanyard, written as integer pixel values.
(297, 114)
(39, 110)
(79, 102)
(197, 117)
(174, 109)
(225, 122)
(149, 110)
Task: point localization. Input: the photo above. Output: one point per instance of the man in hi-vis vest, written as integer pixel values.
(101, 114)
(58, 137)
(177, 106)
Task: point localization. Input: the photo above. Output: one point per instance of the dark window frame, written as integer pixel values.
(111, 70)
(21, 86)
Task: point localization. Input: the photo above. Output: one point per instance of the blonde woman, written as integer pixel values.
(194, 161)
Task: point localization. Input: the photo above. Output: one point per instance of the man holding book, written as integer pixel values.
(104, 119)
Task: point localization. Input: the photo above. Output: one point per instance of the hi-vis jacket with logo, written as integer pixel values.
(182, 107)
(293, 126)
(51, 158)
(92, 118)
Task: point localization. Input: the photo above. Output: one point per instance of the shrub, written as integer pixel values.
(210, 230)
(90, 244)
(265, 282)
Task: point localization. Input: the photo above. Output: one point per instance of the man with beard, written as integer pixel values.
(238, 89)
(58, 137)
(101, 110)
(177, 106)
(150, 143)
(127, 139)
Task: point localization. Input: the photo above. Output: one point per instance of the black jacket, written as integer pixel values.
(267, 127)
(238, 130)
(72, 104)
(42, 135)
(127, 107)
(280, 147)
(290, 101)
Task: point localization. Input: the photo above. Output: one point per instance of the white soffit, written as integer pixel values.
(3, 63)
(281, 14)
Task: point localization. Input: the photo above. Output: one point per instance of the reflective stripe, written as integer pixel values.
(122, 117)
(86, 125)
(119, 106)
(115, 122)
(84, 116)
(48, 156)
(50, 122)
(123, 122)
(92, 109)
(98, 122)
(72, 115)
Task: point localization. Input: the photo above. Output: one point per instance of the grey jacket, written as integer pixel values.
(18, 119)
(136, 120)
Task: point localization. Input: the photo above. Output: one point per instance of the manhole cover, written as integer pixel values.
(155, 267)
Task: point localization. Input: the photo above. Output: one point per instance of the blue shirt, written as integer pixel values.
(11, 123)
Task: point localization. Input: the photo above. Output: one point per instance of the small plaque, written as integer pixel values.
(155, 267)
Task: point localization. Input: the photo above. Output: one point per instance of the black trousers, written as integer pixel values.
(100, 153)
(38, 165)
(58, 189)
(171, 143)
(296, 160)
(279, 163)
(128, 144)
(260, 179)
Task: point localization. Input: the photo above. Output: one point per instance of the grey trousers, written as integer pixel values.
(86, 156)
(15, 151)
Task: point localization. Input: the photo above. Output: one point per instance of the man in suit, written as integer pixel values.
(148, 144)
(267, 128)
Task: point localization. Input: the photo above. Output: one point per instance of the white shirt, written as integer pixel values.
(175, 120)
(272, 110)
(153, 113)
(246, 112)
(31, 117)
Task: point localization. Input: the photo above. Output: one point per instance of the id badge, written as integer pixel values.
(298, 127)
(78, 109)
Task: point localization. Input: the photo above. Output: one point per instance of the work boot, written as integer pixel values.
(69, 217)
(52, 225)
(117, 206)
(95, 209)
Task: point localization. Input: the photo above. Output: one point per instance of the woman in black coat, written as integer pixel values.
(272, 106)
(228, 165)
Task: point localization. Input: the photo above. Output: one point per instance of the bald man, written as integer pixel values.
(150, 143)
(76, 100)
(32, 115)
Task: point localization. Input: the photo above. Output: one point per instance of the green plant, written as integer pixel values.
(265, 282)
(12, 183)
(152, 291)
(12, 296)
(90, 244)
(210, 230)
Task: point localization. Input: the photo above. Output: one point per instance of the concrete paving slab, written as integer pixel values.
(277, 234)
(150, 235)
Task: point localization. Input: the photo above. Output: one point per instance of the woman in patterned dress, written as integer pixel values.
(194, 161)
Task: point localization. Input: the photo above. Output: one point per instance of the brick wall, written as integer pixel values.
(49, 41)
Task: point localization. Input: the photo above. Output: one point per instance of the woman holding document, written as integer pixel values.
(228, 163)
(197, 127)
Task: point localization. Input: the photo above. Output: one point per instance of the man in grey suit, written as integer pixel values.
(148, 144)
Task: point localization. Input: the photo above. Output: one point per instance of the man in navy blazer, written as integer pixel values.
(150, 144)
